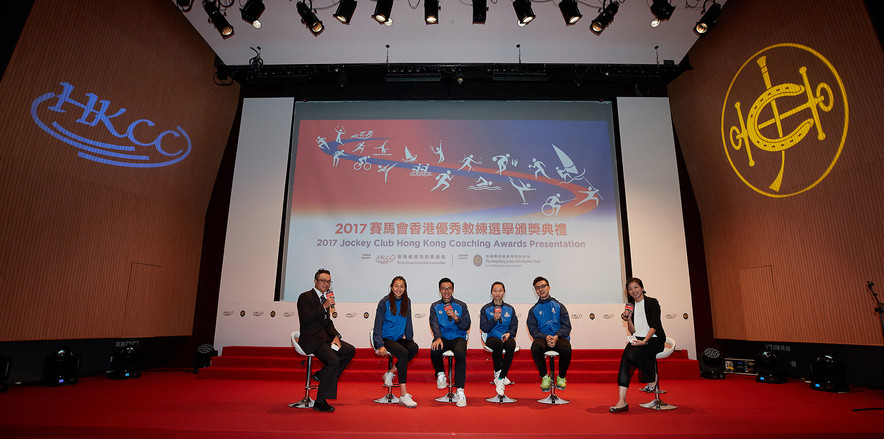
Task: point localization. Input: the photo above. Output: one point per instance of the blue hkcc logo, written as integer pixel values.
(136, 154)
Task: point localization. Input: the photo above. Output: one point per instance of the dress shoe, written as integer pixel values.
(625, 408)
(323, 406)
(315, 376)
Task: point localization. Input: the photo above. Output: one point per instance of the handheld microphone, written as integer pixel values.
(448, 308)
(497, 311)
(330, 295)
(630, 307)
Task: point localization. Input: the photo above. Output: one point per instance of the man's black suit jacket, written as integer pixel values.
(316, 324)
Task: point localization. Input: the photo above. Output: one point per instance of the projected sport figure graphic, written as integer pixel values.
(421, 217)
(467, 162)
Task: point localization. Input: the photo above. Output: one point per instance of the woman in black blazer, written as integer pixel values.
(642, 316)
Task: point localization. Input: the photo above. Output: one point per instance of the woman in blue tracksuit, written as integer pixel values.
(394, 334)
(498, 320)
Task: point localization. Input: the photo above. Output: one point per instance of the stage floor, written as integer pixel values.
(176, 404)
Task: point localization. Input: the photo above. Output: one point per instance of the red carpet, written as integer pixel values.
(177, 404)
(587, 366)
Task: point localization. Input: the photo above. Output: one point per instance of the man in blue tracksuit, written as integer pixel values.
(550, 326)
(450, 322)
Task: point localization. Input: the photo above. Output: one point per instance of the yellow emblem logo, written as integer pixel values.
(806, 118)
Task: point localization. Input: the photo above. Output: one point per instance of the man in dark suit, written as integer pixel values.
(320, 338)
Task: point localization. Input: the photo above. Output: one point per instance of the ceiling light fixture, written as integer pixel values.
(709, 19)
(570, 12)
(523, 11)
(308, 17)
(218, 20)
(382, 12)
(480, 11)
(345, 11)
(662, 10)
(605, 17)
(252, 11)
(431, 11)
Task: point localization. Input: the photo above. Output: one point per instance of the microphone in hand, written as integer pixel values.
(448, 310)
(330, 295)
(628, 311)
(497, 313)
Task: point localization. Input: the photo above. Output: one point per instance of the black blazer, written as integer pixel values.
(652, 312)
(316, 324)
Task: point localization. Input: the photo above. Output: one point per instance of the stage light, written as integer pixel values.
(218, 20)
(712, 364)
(431, 11)
(709, 19)
(480, 11)
(382, 11)
(125, 363)
(203, 356)
(570, 12)
(61, 367)
(523, 11)
(828, 374)
(770, 367)
(345, 11)
(605, 17)
(252, 11)
(5, 370)
(662, 10)
(308, 17)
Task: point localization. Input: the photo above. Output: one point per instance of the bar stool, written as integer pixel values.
(449, 354)
(657, 403)
(307, 402)
(448, 397)
(500, 399)
(552, 398)
(389, 398)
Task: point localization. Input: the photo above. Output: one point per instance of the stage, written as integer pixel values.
(178, 404)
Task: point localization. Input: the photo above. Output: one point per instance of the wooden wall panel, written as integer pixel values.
(71, 228)
(820, 245)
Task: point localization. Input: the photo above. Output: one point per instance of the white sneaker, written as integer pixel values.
(499, 386)
(441, 381)
(506, 381)
(388, 379)
(405, 400)
(496, 374)
(460, 398)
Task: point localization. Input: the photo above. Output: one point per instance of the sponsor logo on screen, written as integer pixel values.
(288, 313)
(607, 316)
(258, 313)
(592, 316)
(350, 315)
(784, 120)
(672, 316)
(272, 314)
(228, 313)
(477, 260)
(420, 315)
(384, 259)
(141, 143)
(365, 315)
(685, 316)
(576, 316)
(242, 313)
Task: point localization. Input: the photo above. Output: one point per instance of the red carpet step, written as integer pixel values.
(284, 364)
